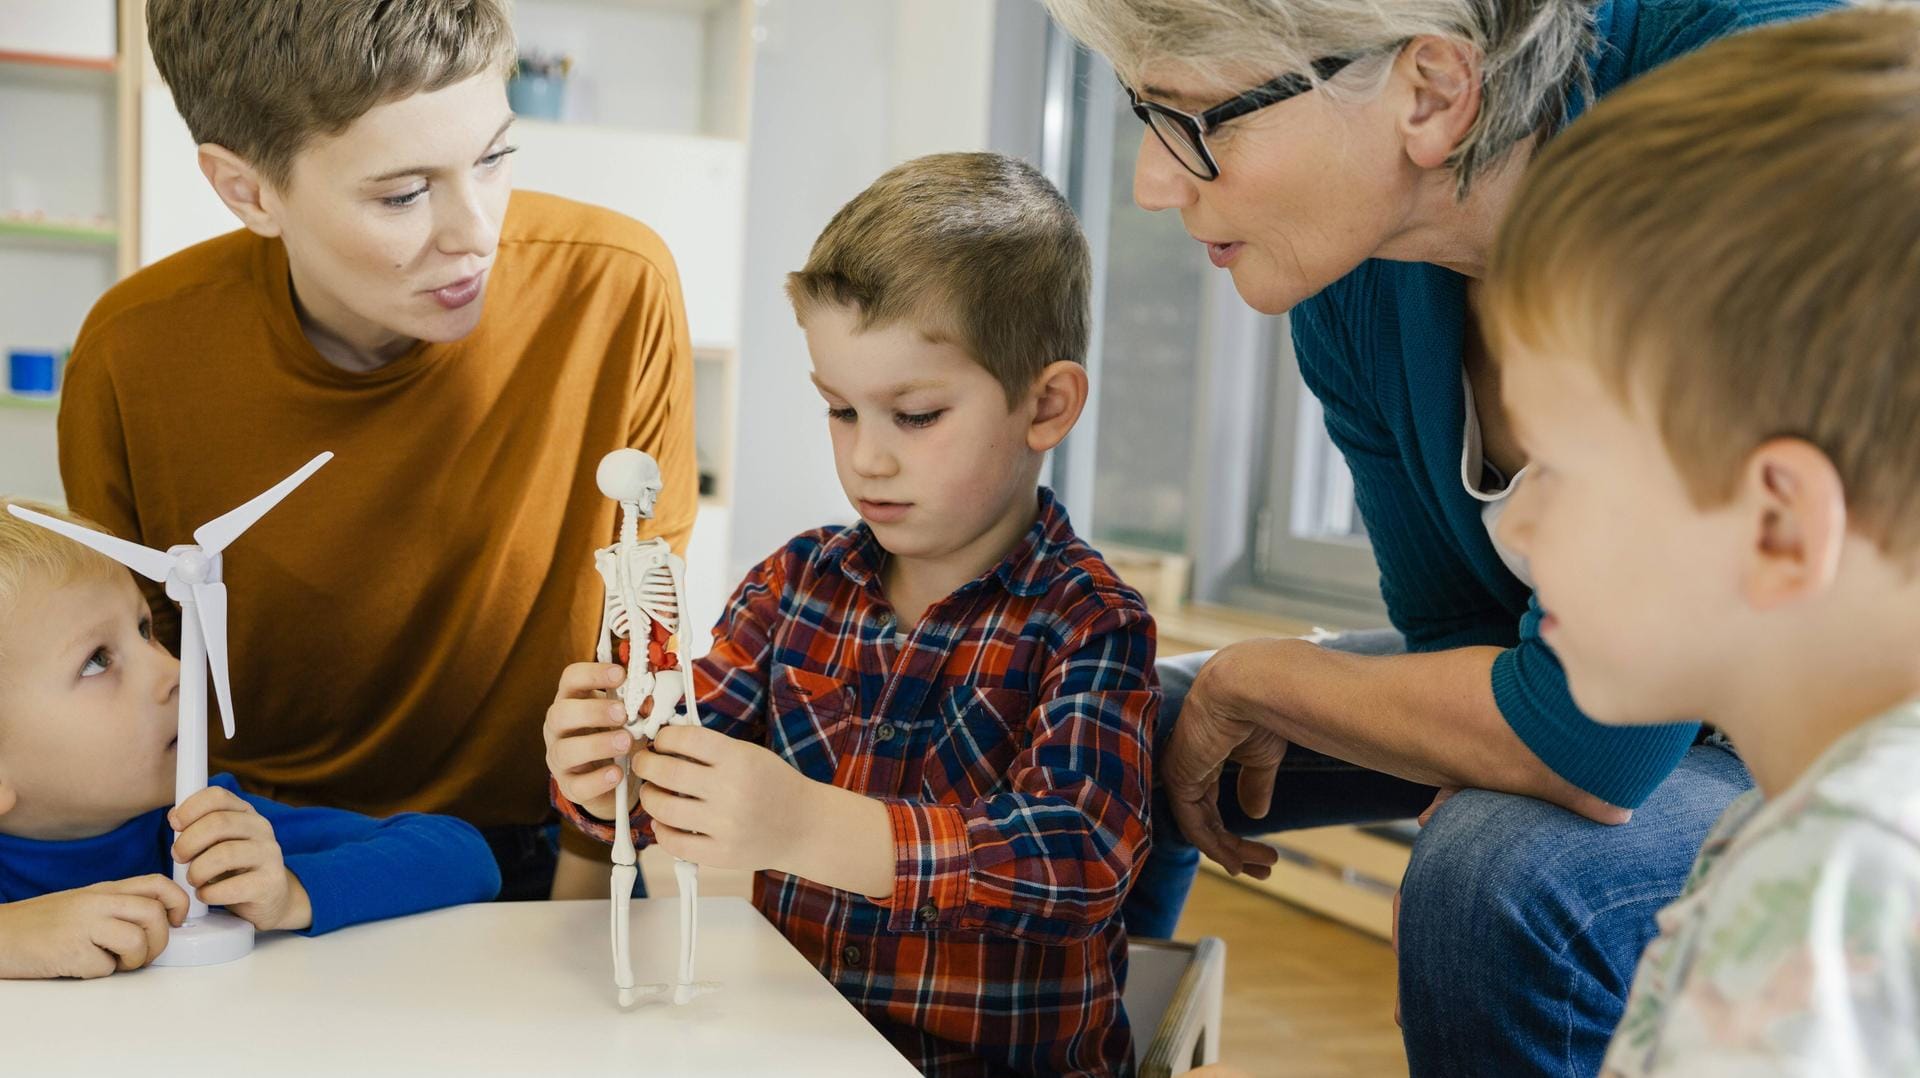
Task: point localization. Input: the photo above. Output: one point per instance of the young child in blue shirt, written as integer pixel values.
(88, 717)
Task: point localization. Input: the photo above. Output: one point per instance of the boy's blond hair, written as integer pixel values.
(263, 77)
(30, 553)
(973, 248)
(1735, 238)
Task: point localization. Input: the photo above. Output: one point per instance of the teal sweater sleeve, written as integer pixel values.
(1381, 349)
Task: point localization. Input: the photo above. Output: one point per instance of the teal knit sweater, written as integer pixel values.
(1382, 349)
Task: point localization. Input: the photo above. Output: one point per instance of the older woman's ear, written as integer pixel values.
(1436, 83)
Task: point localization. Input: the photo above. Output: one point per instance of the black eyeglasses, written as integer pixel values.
(1185, 134)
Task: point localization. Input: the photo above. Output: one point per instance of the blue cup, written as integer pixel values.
(537, 97)
(31, 373)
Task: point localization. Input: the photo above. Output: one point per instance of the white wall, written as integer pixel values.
(942, 69)
(177, 205)
(29, 466)
(843, 89)
(78, 28)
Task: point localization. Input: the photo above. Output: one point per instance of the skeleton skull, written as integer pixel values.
(628, 475)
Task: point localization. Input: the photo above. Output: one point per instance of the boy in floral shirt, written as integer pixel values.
(1703, 308)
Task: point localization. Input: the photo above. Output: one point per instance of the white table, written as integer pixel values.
(514, 988)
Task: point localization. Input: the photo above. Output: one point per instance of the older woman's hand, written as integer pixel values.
(1219, 723)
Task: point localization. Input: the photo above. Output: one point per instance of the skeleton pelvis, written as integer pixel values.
(660, 692)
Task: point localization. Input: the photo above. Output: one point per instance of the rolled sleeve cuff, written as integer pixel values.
(933, 867)
(1621, 765)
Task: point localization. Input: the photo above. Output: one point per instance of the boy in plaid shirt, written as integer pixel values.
(928, 733)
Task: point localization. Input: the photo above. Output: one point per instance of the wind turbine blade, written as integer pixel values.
(213, 536)
(210, 603)
(151, 564)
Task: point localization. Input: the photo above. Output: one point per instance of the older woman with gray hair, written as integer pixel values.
(1348, 161)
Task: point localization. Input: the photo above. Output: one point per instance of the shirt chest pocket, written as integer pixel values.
(814, 720)
(972, 749)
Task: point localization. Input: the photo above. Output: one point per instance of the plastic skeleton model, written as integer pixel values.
(192, 576)
(646, 598)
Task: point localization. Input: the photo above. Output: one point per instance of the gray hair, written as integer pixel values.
(1532, 52)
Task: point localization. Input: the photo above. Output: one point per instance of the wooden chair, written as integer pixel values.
(1173, 1001)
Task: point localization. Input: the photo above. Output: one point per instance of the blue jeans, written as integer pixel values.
(526, 854)
(1520, 922)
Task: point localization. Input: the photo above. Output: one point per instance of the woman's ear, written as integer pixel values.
(1058, 395)
(1798, 526)
(1442, 76)
(239, 186)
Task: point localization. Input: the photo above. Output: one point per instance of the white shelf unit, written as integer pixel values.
(68, 121)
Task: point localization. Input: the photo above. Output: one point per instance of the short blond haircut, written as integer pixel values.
(31, 555)
(264, 77)
(975, 248)
(1735, 238)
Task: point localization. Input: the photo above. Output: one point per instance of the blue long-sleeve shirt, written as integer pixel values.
(1382, 348)
(355, 868)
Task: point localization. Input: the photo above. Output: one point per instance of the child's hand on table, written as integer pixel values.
(233, 860)
(716, 800)
(585, 732)
(89, 931)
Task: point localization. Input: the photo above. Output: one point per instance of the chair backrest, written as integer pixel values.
(1173, 1001)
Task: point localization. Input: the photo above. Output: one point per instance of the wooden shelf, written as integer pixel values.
(1197, 627)
(59, 231)
(29, 404)
(107, 65)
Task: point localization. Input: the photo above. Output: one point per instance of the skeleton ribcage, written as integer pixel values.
(655, 596)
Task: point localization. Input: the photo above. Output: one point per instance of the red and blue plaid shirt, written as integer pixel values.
(1009, 735)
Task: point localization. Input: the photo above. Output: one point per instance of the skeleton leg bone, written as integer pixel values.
(625, 871)
(687, 874)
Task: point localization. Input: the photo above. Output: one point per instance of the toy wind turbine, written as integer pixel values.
(192, 576)
(646, 598)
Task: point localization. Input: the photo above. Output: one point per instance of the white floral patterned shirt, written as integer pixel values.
(1795, 947)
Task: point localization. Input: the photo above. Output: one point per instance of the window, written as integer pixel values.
(1310, 544)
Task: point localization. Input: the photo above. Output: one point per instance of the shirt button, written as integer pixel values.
(884, 621)
(927, 914)
(851, 955)
(884, 733)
